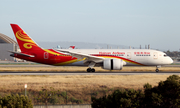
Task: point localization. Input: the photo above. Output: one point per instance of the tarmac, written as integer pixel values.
(31, 64)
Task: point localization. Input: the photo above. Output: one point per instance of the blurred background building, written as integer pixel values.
(7, 44)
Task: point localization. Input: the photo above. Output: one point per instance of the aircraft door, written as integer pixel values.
(128, 55)
(46, 55)
(155, 55)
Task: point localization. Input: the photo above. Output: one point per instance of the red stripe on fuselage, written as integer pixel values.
(125, 59)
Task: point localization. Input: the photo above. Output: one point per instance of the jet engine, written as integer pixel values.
(113, 64)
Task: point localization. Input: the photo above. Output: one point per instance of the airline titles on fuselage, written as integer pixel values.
(104, 53)
(123, 53)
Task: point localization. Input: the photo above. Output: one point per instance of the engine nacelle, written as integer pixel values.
(113, 64)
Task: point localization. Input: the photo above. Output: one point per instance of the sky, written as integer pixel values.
(121, 22)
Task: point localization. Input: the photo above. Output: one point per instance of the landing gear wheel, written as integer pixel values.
(88, 69)
(157, 70)
(92, 70)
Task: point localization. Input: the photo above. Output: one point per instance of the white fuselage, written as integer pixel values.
(132, 57)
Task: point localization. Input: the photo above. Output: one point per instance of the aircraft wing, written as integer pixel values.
(86, 57)
(28, 55)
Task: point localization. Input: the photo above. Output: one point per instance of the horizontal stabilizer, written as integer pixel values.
(28, 55)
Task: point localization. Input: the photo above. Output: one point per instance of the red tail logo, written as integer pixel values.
(72, 47)
(24, 41)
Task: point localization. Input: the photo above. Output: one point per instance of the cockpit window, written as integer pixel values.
(165, 55)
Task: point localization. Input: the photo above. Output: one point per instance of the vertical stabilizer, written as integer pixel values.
(26, 44)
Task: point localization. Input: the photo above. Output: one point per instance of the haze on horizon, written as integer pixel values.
(118, 22)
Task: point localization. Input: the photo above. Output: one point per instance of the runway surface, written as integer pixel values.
(29, 64)
(85, 73)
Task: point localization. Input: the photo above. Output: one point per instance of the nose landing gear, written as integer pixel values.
(157, 70)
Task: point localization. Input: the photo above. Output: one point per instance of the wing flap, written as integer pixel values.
(86, 57)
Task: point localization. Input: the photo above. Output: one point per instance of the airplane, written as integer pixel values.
(71, 47)
(109, 59)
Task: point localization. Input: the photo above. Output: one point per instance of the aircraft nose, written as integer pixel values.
(170, 60)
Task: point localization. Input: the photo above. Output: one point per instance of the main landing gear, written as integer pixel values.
(91, 65)
(90, 70)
